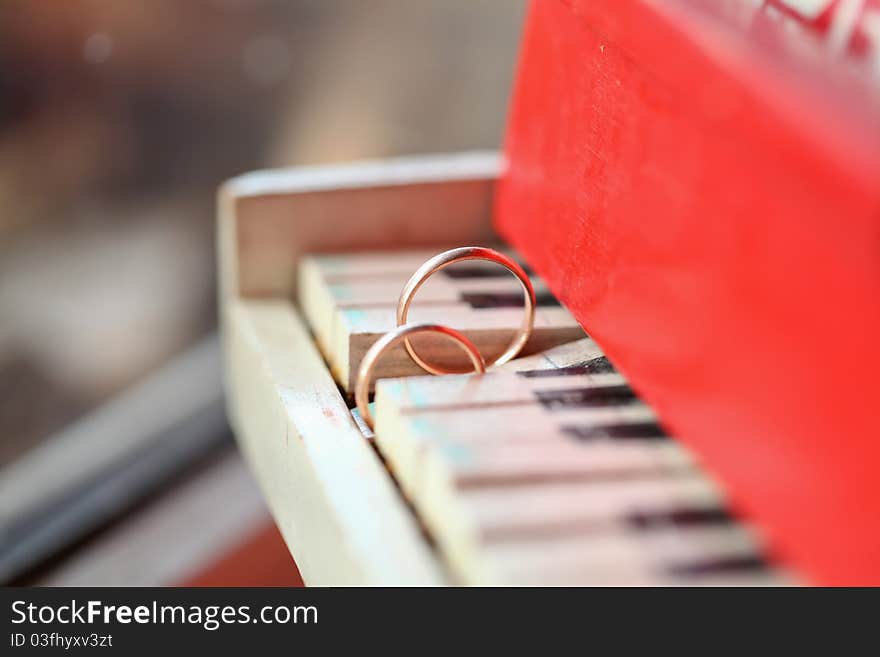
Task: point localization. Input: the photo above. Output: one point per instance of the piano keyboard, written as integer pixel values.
(350, 302)
(528, 478)
(549, 470)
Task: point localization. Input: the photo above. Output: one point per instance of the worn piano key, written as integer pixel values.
(521, 439)
(586, 537)
(433, 450)
(612, 410)
(670, 556)
(559, 508)
(461, 391)
(451, 420)
(578, 357)
(472, 523)
(475, 292)
(553, 461)
(350, 301)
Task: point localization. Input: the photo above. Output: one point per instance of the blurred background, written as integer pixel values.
(118, 120)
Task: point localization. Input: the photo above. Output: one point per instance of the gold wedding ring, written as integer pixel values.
(389, 340)
(447, 258)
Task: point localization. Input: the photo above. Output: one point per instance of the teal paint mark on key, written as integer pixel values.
(354, 316)
(415, 395)
(340, 292)
(457, 453)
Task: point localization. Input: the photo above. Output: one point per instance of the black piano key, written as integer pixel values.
(482, 300)
(719, 566)
(474, 271)
(683, 517)
(600, 365)
(634, 431)
(618, 395)
(465, 271)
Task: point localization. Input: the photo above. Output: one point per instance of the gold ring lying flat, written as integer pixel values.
(390, 339)
(450, 257)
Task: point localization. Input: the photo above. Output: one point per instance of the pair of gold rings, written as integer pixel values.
(404, 331)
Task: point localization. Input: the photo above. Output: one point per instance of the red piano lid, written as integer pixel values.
(701, 187)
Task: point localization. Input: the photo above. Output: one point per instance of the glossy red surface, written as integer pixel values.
(703, 192)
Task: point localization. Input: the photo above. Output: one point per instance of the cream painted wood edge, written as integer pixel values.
(337, 507)
(397, 171)
(269, 219)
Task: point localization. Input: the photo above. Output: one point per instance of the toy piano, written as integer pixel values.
(694, 189)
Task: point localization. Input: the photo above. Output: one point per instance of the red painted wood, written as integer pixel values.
(700, 184)
(260, 559)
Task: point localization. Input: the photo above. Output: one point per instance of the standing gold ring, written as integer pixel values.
(390, 339)
(447, 258)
